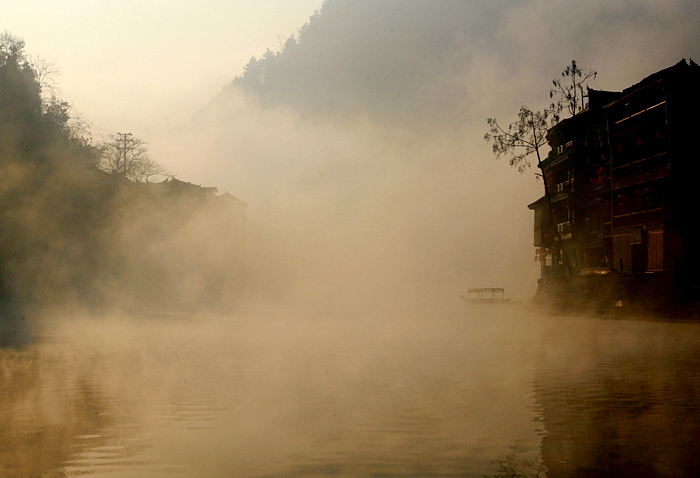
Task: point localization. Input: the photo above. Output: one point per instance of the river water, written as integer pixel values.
(490, 391)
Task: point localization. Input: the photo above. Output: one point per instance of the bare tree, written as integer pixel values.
(46, 73)
(570, 88)
(127, 155)
(523, 137)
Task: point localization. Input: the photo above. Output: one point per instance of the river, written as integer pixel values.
(488, 391)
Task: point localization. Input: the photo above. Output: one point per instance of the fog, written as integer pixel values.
(466, 393)
(358, 143)
(359, 212)
(356, 139)
(372, 202)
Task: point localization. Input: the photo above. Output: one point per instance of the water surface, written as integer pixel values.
(491, 391)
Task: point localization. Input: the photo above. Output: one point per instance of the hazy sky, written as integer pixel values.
(132, 64)
(362, 154)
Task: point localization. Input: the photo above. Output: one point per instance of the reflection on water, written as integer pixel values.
(484, 392)
(621, 399)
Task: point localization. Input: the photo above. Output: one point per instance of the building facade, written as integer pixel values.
(622, 177)
(570, 233)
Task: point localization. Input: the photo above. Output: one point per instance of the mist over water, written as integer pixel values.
(372, 202)
(356, 214)
(455, 392)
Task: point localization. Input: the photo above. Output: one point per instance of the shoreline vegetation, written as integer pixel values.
(73, 235)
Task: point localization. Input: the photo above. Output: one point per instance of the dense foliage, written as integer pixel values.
(73, 235)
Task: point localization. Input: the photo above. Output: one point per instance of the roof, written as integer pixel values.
(230, 197)
(599, 98)
(177, 186)
(679, 67)
(537, 203)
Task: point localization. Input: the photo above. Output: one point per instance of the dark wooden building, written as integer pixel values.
(576, 171)
(655, 165)
(623, 182)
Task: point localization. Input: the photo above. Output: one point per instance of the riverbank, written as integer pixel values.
(622, 295)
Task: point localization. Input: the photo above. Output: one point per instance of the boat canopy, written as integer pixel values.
(486, 293)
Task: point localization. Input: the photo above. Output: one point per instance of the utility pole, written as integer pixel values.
(125, 145)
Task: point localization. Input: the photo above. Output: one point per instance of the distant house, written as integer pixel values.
(185, 193)
(624, 180)
(235, 206)
(225, 213)
(179, 245)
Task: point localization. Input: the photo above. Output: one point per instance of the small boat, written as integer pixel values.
(485, 295)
